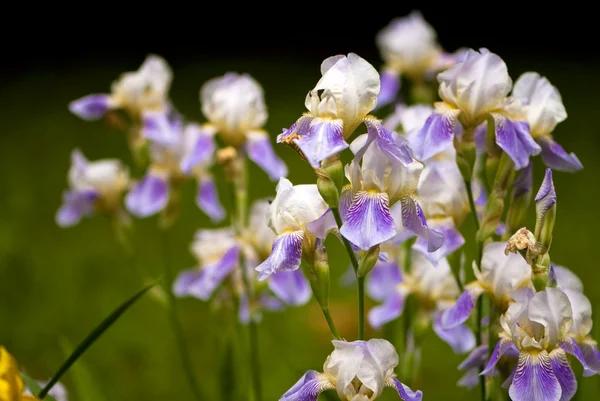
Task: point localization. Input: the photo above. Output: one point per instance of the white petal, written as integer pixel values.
(551, 308)
(582, 313)
(503, 273)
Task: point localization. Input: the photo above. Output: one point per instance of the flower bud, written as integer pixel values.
(520, 200)
(545, 207)
(317, 272)
(367, 261)
(330, 180)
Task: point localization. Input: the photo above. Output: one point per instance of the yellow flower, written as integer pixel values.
(11, 383)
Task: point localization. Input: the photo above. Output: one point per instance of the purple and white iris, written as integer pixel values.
(409, 47)
(234, 106)
(434, 288)
(543, 110)
(475, 90)
(344, 95)
(135, 92)
(94, 187)
(357, 371)
(381, 174)
(499, 277)
(294, 207)
(178, 151)
(538, 326)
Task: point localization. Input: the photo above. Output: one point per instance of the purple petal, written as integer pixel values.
(300, 127)
(460, 337)
(161, 128)
(555, 157)
(321, 226)
(244, 310)
(414, 220)
(207, 200)
(291, 287)
(480, 138)
(570, 346)
(383, 280)
(368, 221)
(524, 181)
(388, 311)
(76, 204)
(564, 374)
(202, 283)
(390, 85)
(591, 355)
(514, 138)
(546, 196)
(286, 254)
(202, 150)
(324, 139)
(502, 347)
(261, 152)
(271, 303)
(307, 388)
(534, 379)
(436, 135)
(469, 380)
(453, 240)
(460, 312)
(476, 358)
(394, 147)
(149, 197)
(406, 393)
(91, 107)
(345, 202)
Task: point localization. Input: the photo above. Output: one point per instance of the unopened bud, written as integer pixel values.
(520, 199)
(367, 261)
(540, 272)
(545, 207)
(330, 180)
(317, 271)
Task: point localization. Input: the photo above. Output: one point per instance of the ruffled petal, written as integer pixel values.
(91, 107)
(368, 221)
(324, 139)
(503, 346)
(534, 379)
(162, 128)
(207, 199)
(149, 197)
(323, 225)
(564, 374)
(261, 152)
(460, 337)
(453, 240)
(555, 157)
(414, 220)
(404, 391)
(291, 287)
(200, 150)
(460, 312)
(388, 311)
(475, 359)
(383, 280)
(570, 346)
(590, 353)
(308, 387)
(436, 135)
(286, 254)
(514, 138)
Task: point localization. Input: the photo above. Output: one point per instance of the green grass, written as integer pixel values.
(58, 284)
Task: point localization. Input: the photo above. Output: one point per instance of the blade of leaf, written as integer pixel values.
(91, 338)
(33, 386)
(83, 381)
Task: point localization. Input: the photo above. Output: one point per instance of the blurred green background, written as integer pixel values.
(58, 284)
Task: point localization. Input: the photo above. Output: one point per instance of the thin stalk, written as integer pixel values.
(472, 203)
(361, 307)
(349, 250)
(175, 322)
(478, 335)
(255, 361)
(330, 323)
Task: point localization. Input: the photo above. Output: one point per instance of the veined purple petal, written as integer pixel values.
(321, 226)
(324, 139)
(514, 138)
(308, 387)
(570, 346)
(453, 240)
(555, 157)
(503, 346)
(534, 379)
(460, 312)
(161, 128)
(414, 220)
(207, 199)
(390, 85)
(564, 374)
(460, 337)
(291, 287)
(76, 204)
(202, 150)
(368, 221)
(261, 152)
(546, 196)
(405, 392)
(286, 254)
(391, 309)
(476, 358)
(393, 146)
(436, 135)
(150, 196)
(589, 349)
(345, 202)
(300, 127)
(383, 280)
(91, 107)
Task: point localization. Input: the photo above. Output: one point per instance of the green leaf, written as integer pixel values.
(84, 384)
(33, 386)
(91, 339)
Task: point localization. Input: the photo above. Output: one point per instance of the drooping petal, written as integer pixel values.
(271, 303)
(201, 148)
(453, 240)
(91, 107)
(390, 85)
(383, 280)
(460, 312)
(388, 311)
(460, 337)
(300, 127)
(564, 374)
(324, 139)
(391, 144)
(323, 225)
(207, 199)
(435, 135)
(534, 379)
(555, 157)
(566, 279)
(308, 387)
(404, 391)
(162, 128)
(76, 204)
(502, 346)
(260, 151)
(469, 380)
(571, 347)
(590, 352)
(368, 221)
(203, 282)
(285, 255)
(149, 197)
(291, 287)
(475, 359)
(414, 220)
(514, 138)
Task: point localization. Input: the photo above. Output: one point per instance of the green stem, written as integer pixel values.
(255, 360)
(361, 307)
(330, 323)
(472, 203)
(175, 322)
(349, 250)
